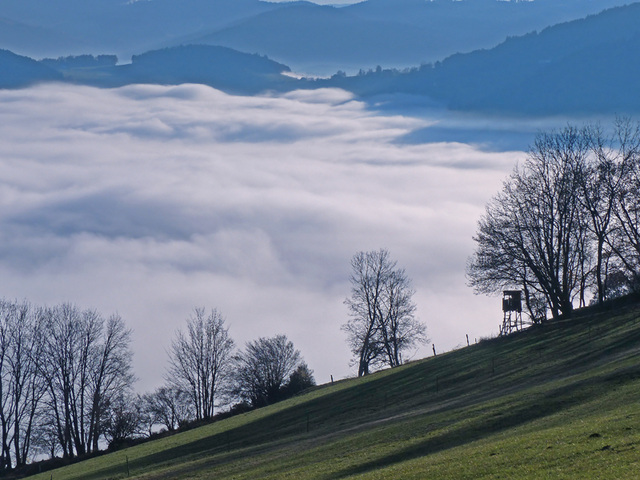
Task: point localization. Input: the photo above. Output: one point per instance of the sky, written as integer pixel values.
(150, 201)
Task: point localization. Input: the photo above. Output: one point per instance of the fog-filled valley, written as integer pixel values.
(150, 200)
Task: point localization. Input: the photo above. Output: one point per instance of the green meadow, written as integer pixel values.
(557, 401)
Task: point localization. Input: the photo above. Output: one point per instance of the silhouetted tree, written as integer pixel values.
(124, 420)
(200, 361)
(299, 380)
(626, 243)
(263, 368)
(168, 406)
(21, 386)
(535, 225)
(382, 323)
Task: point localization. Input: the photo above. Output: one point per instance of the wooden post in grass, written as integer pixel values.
(127, 459)
(433, 345)
(467, 339)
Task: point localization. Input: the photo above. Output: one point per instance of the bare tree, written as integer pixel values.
(627, 233)
(168, 406)
(566, 221)
(382, 323)
(534, 232)
(200, 360)
(87, 365)
(399, 328)
(263, 368)
(21, 387)
(124, 420)
(605, 178)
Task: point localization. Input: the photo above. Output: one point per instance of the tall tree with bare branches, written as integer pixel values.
(200, 360)
(382, 323)
(87, 366)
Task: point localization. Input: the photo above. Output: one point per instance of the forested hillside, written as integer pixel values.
(584, 66)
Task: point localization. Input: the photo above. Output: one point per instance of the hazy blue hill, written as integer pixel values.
(571, 66)
(463, 26)
(521, 14)
(306, 34)
(32, 41)
(218, 67)
(391, 33)
(123, 27)
(583, 66)
(18, 71)
(587, 65)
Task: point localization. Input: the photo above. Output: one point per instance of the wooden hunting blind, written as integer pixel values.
(512, 311)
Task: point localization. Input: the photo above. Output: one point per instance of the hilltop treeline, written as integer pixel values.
(565, 228)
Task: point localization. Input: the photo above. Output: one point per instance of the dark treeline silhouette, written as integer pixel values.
(80, 61)
(565, 228)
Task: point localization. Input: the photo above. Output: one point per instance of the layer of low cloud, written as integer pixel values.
(150, 201)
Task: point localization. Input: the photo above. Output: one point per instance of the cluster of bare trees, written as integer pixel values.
(206, 372)
(565, 226)
(382, 323)
(66, 382)
(61, 370)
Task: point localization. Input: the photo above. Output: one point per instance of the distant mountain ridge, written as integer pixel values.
(306, 36)
(587, 66)
(121, 27)
(584, 66)
(219, 67)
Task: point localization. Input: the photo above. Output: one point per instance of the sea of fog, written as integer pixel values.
(149, 201)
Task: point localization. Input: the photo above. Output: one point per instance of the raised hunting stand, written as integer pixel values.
(512, 309)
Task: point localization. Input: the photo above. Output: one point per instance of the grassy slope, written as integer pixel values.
(555, 402)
